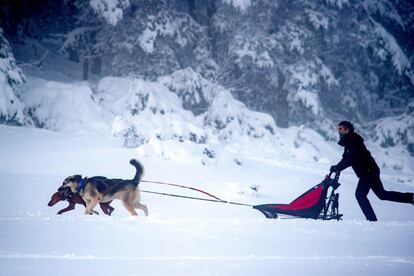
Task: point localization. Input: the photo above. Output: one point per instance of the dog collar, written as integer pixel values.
(81, 185)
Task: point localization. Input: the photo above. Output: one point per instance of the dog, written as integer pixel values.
(74, 198)
(100, 189)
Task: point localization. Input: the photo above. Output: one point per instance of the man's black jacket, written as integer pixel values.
(357, 156)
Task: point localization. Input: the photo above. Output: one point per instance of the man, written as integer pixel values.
(367, 170)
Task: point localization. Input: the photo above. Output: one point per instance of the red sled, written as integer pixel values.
(314, 203)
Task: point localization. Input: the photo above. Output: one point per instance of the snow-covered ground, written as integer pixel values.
(181, 236)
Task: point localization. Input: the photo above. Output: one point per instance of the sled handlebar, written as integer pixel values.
(335, 184)
(337, 174)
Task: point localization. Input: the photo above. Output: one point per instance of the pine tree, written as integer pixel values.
(11, 108)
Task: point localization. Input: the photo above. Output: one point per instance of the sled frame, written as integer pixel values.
(329, 204)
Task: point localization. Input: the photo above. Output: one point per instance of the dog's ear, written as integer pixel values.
(68, 180)
(72, 179)
(71, 182)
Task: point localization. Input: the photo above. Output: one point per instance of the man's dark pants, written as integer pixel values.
(374, 182)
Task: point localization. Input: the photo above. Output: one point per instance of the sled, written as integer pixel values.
(314, 203)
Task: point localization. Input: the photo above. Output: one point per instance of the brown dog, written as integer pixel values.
(73, 199)
(100, 189)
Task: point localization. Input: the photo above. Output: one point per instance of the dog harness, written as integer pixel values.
(82, 185)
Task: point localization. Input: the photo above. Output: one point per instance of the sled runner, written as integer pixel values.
(314, 203)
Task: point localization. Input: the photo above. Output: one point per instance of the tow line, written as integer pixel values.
(215, 199)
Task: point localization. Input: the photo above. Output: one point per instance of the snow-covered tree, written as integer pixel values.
(305, 61)
(11, 108)
(110, 10)
(396, 130)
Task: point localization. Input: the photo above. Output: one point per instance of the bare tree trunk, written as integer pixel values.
(191, 7)
(73, 56)
(96, 65)
(85, 73)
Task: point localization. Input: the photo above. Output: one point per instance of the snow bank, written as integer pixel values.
(232, 120)
(393, 141)
(184, 117)
(145, 110)
(217, 109)
(63, 107)
(194, 91)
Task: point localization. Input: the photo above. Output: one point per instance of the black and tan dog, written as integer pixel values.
(101, 189)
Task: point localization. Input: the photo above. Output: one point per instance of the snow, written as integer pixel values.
(151, 115)
(295, 36)
(11, 108)
(73, 37)
(190, 86)
(180, 26)
(338, 3)
(146, 110)
(309, 73)
(187, 237)
(264, 60)
(241, 5)
(244, 48)
(390, 133)
(385, 9)
(146, 40)
(327, 74)
(399, 59)
(307, 98)
(67, 107)
(226, 149)
(317, 19)
(110, 10)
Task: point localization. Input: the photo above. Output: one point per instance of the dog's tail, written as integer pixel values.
(140, 170)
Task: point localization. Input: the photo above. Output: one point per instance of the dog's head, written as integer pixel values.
(71, 182)
(56, 197)
(61, 195)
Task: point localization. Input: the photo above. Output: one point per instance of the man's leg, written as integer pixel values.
(361, 193)
(378, 188)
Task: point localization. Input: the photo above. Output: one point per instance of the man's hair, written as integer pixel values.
(348, 125)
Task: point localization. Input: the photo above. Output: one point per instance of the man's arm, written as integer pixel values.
(343, 164)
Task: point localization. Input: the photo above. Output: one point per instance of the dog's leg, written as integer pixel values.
(110, 209)
(90, 205)
(129, 207)
(142, 207)
(71, 206)
(106, 208)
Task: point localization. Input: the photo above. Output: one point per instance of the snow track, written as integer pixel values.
(185, 237)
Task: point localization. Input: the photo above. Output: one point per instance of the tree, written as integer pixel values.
(11, 108)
